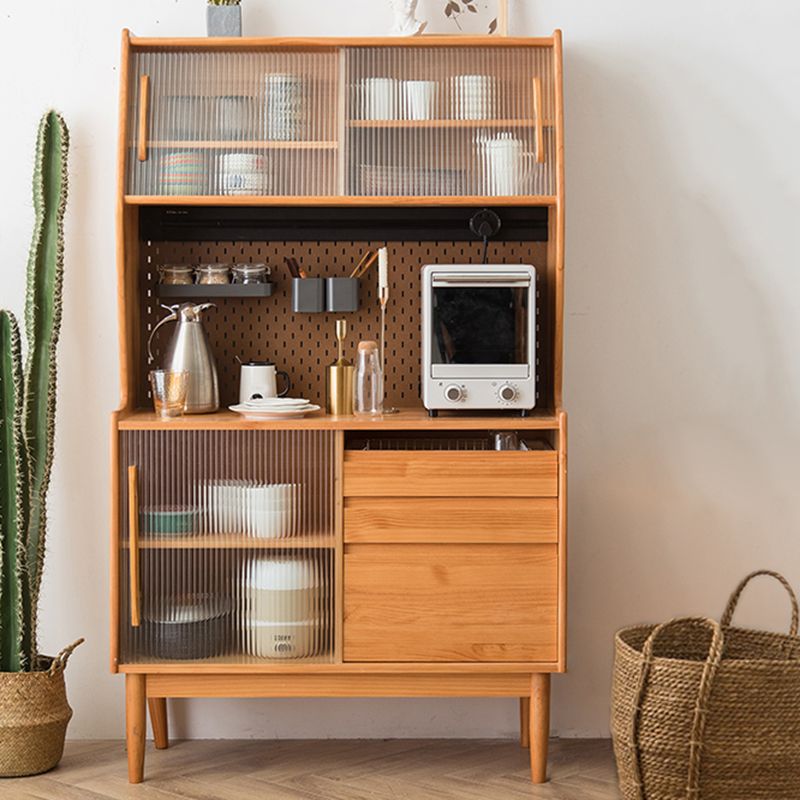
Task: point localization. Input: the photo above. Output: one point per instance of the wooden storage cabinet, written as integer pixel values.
(453, 603)
(436, 571)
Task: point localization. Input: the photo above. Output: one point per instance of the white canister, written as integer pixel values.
(380, 98)
(258, 381)
(419, 99)
(282, 589)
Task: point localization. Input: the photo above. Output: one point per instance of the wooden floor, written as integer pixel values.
(407, 769)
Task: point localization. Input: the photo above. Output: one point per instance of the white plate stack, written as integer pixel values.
(274, 408)
(250, 508)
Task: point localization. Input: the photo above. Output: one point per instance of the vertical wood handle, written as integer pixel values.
(144, 112)
(538, 121)
(133, 544)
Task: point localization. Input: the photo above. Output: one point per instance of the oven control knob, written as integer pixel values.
(454, 393)
(507, 393)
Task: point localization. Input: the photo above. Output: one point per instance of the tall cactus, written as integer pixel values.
(27, 404)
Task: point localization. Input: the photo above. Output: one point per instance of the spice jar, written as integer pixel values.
(175, 275)
(250, 273)
(213, 273)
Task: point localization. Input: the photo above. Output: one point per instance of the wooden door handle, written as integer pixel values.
(144, 111)
(133, 544)
(538, 121)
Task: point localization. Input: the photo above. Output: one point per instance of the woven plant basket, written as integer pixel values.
(705, 711)
(34, 714)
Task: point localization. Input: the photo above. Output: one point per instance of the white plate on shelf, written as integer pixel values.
(293, 412)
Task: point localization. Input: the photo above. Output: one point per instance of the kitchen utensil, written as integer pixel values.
(188, 351)
(368, 381)
(383, 297)
(362, 261)
(258, 380)
(186, 627)
(372, 257)
(419, 99)
(169, 392)
(291, 267)
(340, 377)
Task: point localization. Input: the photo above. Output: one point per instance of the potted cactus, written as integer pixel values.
(33, 704)
(224, 18)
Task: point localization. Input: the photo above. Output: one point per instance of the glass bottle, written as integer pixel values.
(368, 381)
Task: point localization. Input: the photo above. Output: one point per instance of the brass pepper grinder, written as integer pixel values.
(340, 378)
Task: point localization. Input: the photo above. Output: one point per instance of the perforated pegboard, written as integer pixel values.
(304, 344)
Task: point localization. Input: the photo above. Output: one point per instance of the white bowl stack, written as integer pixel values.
(250, 508)
(243, 174)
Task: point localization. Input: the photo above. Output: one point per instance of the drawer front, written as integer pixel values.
(524, 520)
(450, 602)
(450, 474)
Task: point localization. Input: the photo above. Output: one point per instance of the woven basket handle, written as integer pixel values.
(734, 601)
(60, 661)
(701, 705)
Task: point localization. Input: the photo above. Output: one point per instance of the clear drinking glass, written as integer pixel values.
(169, 392)
(368, 381)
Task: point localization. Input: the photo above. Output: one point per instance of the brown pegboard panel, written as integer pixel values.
(304, 344)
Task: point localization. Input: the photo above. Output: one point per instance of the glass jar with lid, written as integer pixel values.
(175, 274)
(250, 273)
(213, 273)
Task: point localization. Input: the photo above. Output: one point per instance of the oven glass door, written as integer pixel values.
(480, 329)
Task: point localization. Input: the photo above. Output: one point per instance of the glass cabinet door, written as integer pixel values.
(227, 546)
(233, 124)
(449, 121)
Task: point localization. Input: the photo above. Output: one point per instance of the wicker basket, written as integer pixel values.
(704, 711)
(33, 717)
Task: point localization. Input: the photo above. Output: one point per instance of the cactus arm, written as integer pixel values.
(14, 598)
(42, 326)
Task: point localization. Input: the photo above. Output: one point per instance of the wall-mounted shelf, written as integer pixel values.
(197, 291)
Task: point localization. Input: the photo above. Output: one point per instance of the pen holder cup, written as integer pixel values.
(342, 294)
(308, 295)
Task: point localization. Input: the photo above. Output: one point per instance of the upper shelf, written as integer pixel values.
(405, 419)
(338, 200)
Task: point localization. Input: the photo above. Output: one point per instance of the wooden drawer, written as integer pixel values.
(450, 602)
(524, 520)
(420, 473)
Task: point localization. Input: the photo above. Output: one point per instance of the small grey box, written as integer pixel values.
(224, 20)
(308, 295)
(342, 294)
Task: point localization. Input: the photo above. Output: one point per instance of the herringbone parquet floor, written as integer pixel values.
(398, 769)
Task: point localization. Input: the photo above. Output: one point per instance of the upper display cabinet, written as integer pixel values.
(342, 120)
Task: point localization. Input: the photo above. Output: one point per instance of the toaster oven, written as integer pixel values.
(479, 337)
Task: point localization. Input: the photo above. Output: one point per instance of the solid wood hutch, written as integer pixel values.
(335, 556)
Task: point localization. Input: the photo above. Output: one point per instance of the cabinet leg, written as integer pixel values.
(524, 721)
(135, 725)
(158, 719)
(539, 724)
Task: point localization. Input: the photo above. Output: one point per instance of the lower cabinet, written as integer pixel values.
(450, 602)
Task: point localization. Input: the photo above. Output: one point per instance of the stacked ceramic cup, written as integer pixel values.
(243, 174)
(282, 600)
(285, 106)
(473, 96)
(505, 166)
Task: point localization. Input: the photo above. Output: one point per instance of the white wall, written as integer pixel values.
(683, 374)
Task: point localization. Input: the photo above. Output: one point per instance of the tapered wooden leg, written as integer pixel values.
(135, 725)
(539, 725)
(524, 721)
(158, 719)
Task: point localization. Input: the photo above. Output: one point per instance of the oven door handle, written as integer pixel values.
(472, 280)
